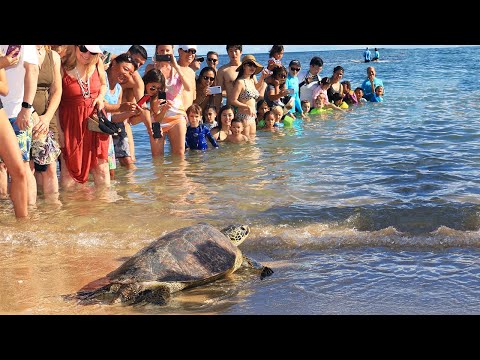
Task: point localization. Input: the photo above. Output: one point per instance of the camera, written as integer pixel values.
(166, 57)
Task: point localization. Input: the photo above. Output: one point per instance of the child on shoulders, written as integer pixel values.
(276, 55)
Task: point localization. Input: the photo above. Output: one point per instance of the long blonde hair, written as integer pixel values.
(71, 58)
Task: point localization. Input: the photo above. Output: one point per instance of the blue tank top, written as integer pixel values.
(112, 98)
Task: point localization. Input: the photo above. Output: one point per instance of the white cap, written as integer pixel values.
(186, 47)
(94, 49)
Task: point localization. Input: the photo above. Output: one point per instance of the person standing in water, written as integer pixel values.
(367, 55)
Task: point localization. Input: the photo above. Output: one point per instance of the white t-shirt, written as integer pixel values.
(307, 90)
(15, 79)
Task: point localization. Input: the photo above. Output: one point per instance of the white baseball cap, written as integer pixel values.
(187, 47)
(94, 49)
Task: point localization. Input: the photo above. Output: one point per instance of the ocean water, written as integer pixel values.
(373, 211)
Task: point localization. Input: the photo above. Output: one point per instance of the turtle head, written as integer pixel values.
(237, 233)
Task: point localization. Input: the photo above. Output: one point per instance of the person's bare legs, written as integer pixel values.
(48, 182)
(101, 174)
(157, 146)
(127, 162)
(12, 157)
(177, 138)
(31, 183)
(66, 180)
(3, 182)
(131, 144)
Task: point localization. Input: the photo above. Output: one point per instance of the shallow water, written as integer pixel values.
(375, 211)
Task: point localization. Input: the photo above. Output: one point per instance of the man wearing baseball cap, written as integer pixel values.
(189, 48)
(196, 63)
(186, 55)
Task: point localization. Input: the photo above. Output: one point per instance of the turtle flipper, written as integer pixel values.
(265, 271)
(157, 296)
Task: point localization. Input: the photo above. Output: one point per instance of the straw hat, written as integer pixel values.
(251, 58)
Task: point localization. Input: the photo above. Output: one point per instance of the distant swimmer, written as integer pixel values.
(376, 55)
(367, 55)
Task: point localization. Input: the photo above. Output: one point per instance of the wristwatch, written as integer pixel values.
(26, 105)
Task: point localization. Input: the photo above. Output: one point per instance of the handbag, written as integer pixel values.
(98, 122)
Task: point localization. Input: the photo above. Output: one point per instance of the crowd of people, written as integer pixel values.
(49, 96)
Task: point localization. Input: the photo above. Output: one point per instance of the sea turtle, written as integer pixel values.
(181, 259)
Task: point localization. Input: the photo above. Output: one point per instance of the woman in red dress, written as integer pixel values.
(84, 87)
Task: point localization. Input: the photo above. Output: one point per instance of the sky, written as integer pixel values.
(257, 49)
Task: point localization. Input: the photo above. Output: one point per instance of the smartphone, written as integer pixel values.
(107, 57)
(166, 57)
(157, 134)
(162, 95)
(143, 100)
(215, 90)
(291, 91)
(12, 48)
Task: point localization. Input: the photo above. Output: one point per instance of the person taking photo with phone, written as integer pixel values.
(9, 153)
(204, 97)
(178, 84)
(21, 77)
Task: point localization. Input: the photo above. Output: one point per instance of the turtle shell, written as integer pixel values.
(190, 254)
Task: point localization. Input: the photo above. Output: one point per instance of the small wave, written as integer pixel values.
(275, 240)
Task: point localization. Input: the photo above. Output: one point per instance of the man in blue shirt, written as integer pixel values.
(292, 83)
(367, 55)
(367, 84)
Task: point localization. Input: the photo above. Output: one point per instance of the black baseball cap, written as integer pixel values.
(294, 62)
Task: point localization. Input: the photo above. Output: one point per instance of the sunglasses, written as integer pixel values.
(294, 69)
(250, 64)
(191, 51)
(208, 78)
(84, 49)
(282, 76)
(212, 60)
